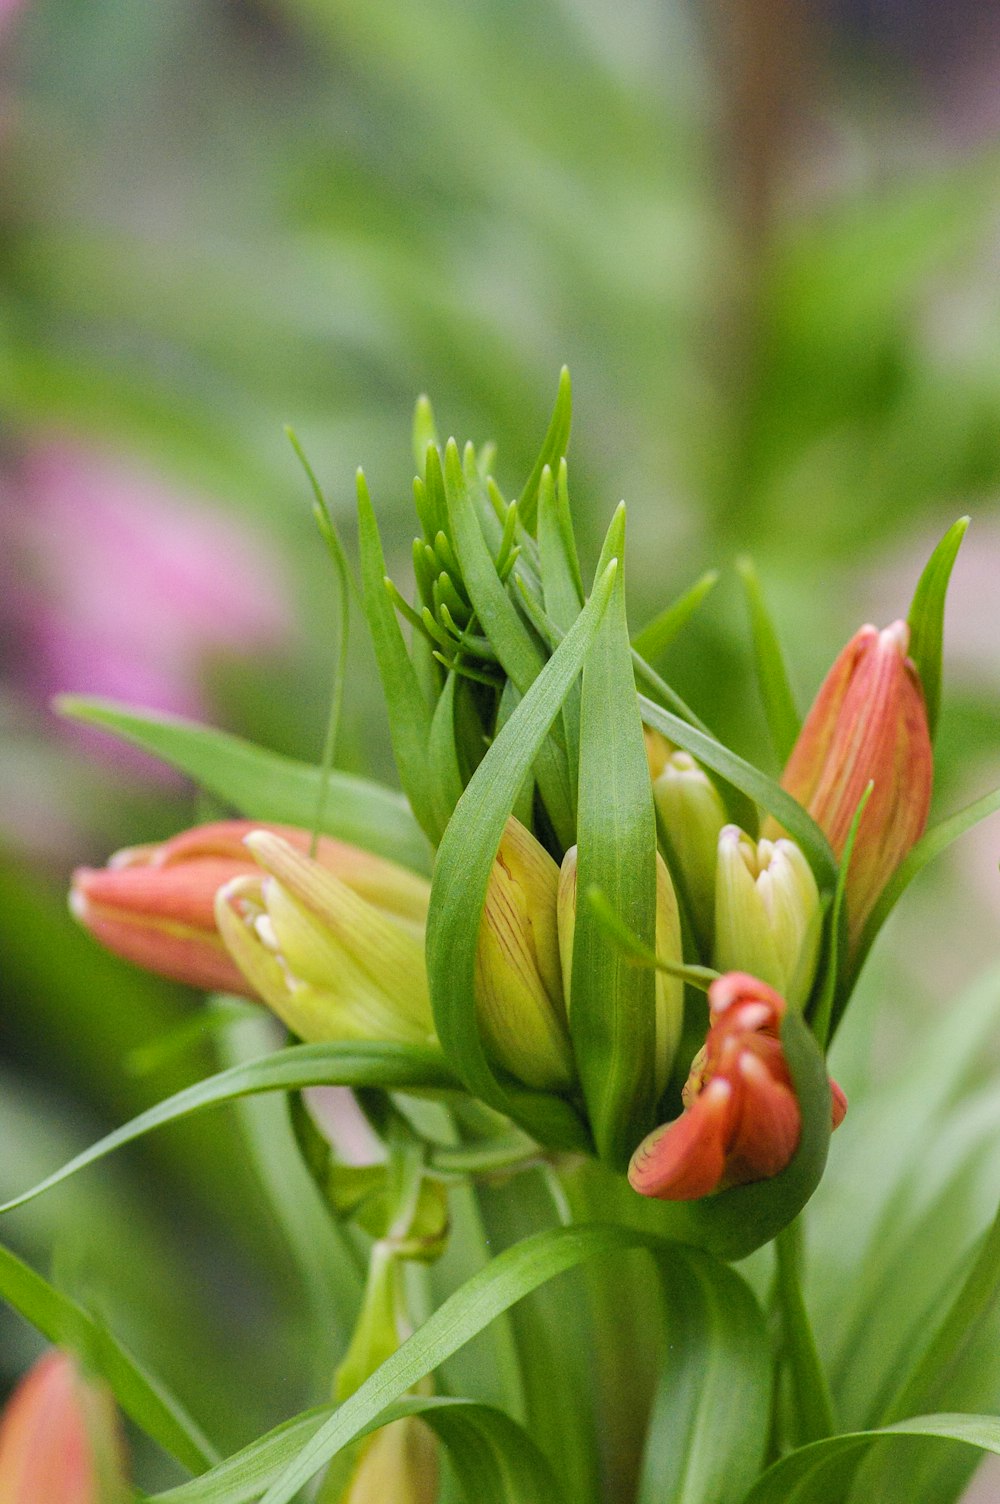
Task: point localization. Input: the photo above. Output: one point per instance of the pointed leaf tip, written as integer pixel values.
(926, 618)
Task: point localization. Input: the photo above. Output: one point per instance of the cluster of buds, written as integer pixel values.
(61, 1439)
(333, 941)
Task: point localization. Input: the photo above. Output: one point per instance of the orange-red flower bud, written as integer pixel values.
(741, 1119)
(60, 1439)
(868, 724)
(155, 905)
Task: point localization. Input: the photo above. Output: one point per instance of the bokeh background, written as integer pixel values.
(765, 237)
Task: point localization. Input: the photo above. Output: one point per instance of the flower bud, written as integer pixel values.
(519, 991)
(767, 913)
(155, 905)
(330, 963)
(658, 751)
(692, 814)
(741, 1119)
(399, 1463)
(868, 724)
(669, 990)
(61, 1440)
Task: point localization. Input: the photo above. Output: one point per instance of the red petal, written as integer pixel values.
(686, 1159)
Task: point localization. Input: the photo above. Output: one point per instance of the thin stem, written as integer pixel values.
(811, 1404)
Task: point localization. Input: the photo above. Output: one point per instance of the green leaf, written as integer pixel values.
(931, 844)
(506, 1280)
(926, 617)
(409, 716)
(783, 719)
(424, 430)
(348, 1063)
(264, 785)
(461, 876)
(833, 994)
(752, 782)
(612, 1018)
(139, 1394)
(815, 1474)
(932, 1366)
(562, 588)
(494, 1459)
(553, 449)
(652, 640)
(442, 752)
(520, 655)
(709, 1423)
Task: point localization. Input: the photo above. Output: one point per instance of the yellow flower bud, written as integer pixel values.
(329, 962)
(399, 1463)
(519, 995)
(691, 814)
(767, 913)
(669, 990)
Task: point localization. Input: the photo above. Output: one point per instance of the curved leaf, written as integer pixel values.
(506, 1280)
(553, 449)
(464, 862)
(652, 640)
(350, 1063)
(811, 1474)
(138, 1393)
(926, 618)
(265, 785)
(780, 711)
(494, 1459)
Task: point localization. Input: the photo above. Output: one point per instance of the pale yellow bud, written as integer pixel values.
(767, 913)
(329, 962)
(399, 1465)
(519, 995)
(691, 814)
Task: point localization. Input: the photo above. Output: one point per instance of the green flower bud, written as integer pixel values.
(519, 994)
(692, 814)
(330, 963)
(669, 990)
(767, 913)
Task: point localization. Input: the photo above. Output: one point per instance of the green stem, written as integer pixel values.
(811, 1405)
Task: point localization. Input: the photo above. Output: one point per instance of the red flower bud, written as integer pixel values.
(155, 905)
(741, 1119)
(60, 1439)
(868, 724)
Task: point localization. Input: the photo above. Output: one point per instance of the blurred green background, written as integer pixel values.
(765, 238)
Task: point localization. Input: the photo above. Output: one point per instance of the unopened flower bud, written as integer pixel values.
(155, 905)
(868, 724)
(767, 913)
(328, 962)
(61, 1439)
(669, 990)
(519, 992)
(691, 814)
(658, 750)
(399, 1463)
(741, 1120)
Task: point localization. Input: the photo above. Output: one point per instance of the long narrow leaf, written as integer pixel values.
(708, 1429)
(265, 785)
(409, 717)
(783, 719)
(140, 1395)
(462, 871)
(815, 1474)
(926, 617)
(519, 653)
(553, 449)
(652, 640)
(351, 1063)
(494, 1459)
(506, 1280)
(612, 1018)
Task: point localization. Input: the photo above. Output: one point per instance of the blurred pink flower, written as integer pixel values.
(120, 587)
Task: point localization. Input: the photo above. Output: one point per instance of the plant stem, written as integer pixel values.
(811, 1405)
